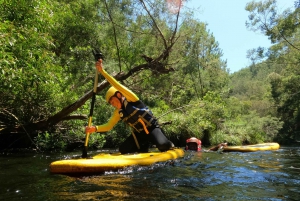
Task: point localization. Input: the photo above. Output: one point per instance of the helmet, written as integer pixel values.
(110, 92)
(193, 144)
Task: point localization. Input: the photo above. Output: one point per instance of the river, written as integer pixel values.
(209, 176)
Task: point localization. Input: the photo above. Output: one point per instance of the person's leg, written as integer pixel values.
(158, 138)
(130, 146)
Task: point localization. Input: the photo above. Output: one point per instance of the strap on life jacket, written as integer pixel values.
(136, 141)
(144, 126)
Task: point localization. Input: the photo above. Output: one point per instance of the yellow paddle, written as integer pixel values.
(98, 55)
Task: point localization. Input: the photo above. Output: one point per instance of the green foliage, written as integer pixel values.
(248, 129)
(198, 117)
(28, 76)
(46, 65)
(283, 57)
(49, 142)
(265, 17)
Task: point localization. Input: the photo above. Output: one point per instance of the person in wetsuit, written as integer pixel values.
(131, 110)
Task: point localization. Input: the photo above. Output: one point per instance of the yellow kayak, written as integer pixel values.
(107, 162)
(252, 148)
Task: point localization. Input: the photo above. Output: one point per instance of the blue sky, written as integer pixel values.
(226, 21)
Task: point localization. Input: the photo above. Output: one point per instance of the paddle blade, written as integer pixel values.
(85, 148)
(84, 152)
(97, 54)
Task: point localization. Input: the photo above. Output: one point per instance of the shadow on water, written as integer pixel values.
(268, 175)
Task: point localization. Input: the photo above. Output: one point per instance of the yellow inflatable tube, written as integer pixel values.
(252, 148)
(106, 162)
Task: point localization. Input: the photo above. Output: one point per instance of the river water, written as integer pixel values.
(209, 176)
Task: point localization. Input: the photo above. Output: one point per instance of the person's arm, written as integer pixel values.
(128, 94)
(110, 124)
(105, 127)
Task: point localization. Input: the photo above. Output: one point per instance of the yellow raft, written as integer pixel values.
(252, 148)
(107, 162)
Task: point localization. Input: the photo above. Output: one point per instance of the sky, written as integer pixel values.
(226, 21)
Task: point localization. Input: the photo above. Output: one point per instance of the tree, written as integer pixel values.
(283, 30)
(29, 80)
(55, 40)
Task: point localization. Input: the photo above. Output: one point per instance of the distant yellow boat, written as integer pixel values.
(252, 148)
(107, 162)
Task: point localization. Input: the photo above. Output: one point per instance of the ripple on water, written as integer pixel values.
(271, 175)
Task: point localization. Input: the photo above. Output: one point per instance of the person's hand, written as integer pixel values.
(90, 129)
(99, 65)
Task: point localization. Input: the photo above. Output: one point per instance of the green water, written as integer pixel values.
(269, 175)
